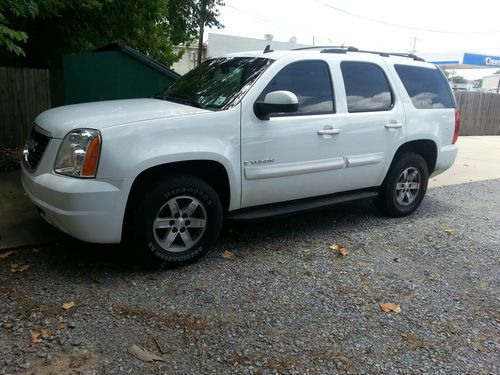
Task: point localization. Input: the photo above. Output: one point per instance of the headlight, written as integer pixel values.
(79, 153)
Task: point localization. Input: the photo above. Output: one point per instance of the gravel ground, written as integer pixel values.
(284, 304)
(10, 158)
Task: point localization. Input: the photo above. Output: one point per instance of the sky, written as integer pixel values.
(388, 25)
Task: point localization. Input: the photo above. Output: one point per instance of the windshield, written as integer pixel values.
(216, 83)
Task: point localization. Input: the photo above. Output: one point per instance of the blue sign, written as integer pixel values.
(482, 60)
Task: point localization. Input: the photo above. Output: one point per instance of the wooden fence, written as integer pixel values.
(24, 93)
(479, 113)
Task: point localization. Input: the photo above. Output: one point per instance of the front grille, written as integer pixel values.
(34, 148)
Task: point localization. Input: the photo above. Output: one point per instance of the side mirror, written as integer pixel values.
(276, 102)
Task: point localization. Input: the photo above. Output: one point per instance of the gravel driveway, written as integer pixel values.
(286, 303)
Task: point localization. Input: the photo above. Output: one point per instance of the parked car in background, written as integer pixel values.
(243, 137)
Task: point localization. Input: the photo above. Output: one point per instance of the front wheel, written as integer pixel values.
(404, 186)
(177, 221)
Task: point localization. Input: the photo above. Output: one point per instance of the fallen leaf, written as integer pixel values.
(162, 349)
(68, 305)
(228, 255)
(17, 267)
(36, 336)
(6, 325)
(61, 325)
(307, 272)
(6, 255)
(389, 306)
(35, 250)
(340, 249)
(143, 355)
(450, 231)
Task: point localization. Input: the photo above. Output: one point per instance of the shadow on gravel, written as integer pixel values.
(75, 257)
(342, 216)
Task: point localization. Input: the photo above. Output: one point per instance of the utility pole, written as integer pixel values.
(414, 44)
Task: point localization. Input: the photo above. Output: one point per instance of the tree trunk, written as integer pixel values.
(200, 43)
(203, 10)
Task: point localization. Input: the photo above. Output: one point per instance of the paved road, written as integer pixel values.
(285, 304)
(478, 160)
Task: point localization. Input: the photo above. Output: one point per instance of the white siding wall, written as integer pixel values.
(490, 83)
(219, 44)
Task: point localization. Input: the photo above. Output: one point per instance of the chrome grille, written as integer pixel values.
(34, 148)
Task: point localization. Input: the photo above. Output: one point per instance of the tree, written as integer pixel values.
(206, 13)
(9, 10)
(458, 79)
(69, 26)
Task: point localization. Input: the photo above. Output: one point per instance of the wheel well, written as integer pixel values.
(210, 171)
(425, 147)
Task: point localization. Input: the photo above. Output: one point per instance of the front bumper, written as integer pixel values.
(91, 210)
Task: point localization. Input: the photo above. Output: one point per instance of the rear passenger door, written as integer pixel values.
(373, 125)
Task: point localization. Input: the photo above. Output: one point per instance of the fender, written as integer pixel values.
(211, 136)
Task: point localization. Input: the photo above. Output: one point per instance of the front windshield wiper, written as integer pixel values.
(181, 100)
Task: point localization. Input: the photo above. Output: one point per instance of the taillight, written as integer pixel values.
(457, 126)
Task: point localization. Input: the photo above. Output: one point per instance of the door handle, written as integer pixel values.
(328, 131)
(393, 125)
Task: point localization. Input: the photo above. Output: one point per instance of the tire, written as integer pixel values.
(397, 198)
(173, 213)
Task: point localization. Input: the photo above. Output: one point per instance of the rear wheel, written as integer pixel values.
(404, 186)
(177, 221)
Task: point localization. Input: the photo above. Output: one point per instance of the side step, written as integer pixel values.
(297, 206)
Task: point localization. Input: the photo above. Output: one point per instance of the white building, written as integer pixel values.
(219, 44)
(188, 59)
(491, 83)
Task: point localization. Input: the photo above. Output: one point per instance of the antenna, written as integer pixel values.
(268, 49)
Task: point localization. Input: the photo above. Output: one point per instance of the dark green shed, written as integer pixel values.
(115, 71)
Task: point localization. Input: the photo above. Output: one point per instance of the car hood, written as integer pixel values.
(99, 115)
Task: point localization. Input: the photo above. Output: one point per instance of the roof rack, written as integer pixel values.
(383, 54)
(344, 49)
(323, 47)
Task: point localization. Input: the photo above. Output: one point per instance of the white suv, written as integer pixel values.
(243, 136)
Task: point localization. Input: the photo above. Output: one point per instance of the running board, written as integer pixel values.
(297, 206)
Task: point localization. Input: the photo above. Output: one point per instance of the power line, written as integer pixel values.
(272, 22)
(401, 26)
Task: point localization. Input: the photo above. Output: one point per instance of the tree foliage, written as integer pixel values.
(11, 39)
(459, 79)
(55, 27)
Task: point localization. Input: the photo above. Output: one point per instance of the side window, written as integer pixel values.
(310, 81)
(426, 87)
(366, 86)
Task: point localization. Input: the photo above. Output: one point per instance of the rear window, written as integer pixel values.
(366, 87)
(426, 87)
